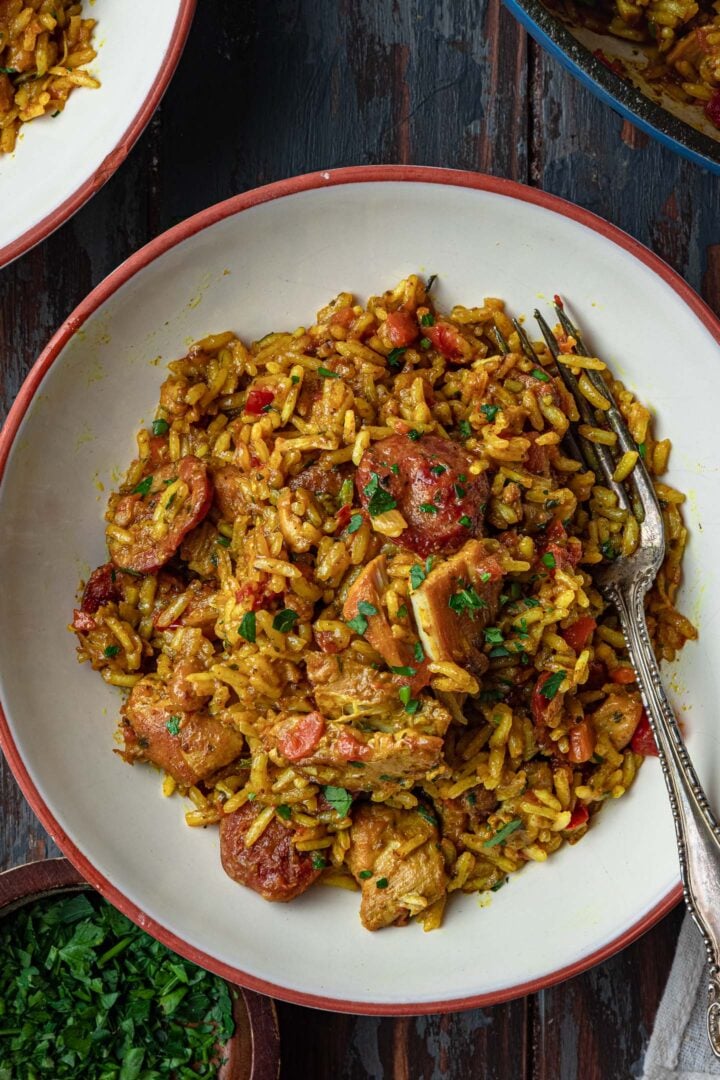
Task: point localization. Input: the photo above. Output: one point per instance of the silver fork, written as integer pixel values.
(625, 582)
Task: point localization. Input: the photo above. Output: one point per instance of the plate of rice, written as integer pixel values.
(657, 64)
(78, 84)
(306, 514)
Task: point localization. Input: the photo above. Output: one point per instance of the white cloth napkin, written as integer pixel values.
(679, 1047)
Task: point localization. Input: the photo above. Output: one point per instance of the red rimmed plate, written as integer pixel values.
(263, 261)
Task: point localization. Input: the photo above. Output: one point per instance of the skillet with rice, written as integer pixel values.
(349, 596)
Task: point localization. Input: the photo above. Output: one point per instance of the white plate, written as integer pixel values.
(264, 261)
(59, 163)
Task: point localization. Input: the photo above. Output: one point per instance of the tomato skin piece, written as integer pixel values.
(578, 817)
(582, 742)
(539, 704)
(257, 400)
(643, 741)
(327, 642)
(344, 316)
(446, 340)
(578, 635)
(623, 675)
(402, 329)
(351, 748)
(303, 737)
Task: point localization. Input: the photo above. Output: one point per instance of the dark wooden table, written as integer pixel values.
(270, 88)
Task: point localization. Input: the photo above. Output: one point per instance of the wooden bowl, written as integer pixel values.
(253, 1053)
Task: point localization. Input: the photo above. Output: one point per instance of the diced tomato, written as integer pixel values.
(327, 642)
(402, 329)
(712, 109)
(83, 622)
(343, 516)
(344, 316)
(643, 741)
(255, 595)
(302, 738)
(446, 340)
(578, 817)
(555, 530)
(539, 703)
(578, 635)
(350, 748)
(582, 742)
(622, 675)
(159, 451)
(257, 400)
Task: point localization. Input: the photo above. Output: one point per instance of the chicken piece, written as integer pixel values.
(232, 493)
(455, 603)
(191, 746)
(345, 687)
(617, 717)
(368, 589)
(465, 814)
(338, 753)
(400, 850)
(272, 866)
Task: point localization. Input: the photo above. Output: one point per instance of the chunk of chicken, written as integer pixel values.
(618, 716)
(400, 851)
(191, 746)
(368, 589)
(345, 687)
(338, 753)
(455, 603)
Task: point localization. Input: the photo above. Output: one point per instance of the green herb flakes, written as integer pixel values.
(465, 522)
(173, 725)
(326, 373)
(411, 704)
(355, 522)
(551, 686)
(490, 412)
(359, 624)
(285, 620)
(317, 860)
(493, 635)
(418, 653)
(365, 874)
(366, 608)
(339, 799)
(425, 343)
(110, 651)
(414, 434)
(426, 815)
(549, 560)
(294, 379)
(247, 627)
(417, 576)
(502, 834)
(429, 508)
(85, 993)
(466, 601)
(223, 541)
(408, 671)
(395, 469)
(394, 358)
(428, 319)
(380, 501)
(283, 811)
(465, 429)
(160, 427)
(381, 883)
(438, 470)
(539, 374)
(143, 487)
(402, 611)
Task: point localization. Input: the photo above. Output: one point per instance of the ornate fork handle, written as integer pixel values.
(697, 831)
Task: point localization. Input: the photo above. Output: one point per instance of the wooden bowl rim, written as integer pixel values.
(43, 878)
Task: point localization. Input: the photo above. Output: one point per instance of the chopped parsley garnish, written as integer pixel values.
(531, 601)
(429, 563)
(395, 469)
(551, 686)
(381, 883)
(418, 653)
(502, 834)
(417, 575)
(426, 815)
(428, 319)
(431, 281)
(339, 799)
(642, 449)
(409, 671)
(367, 609)
(380, 501)
(460, 491)
(111, 650)
(494, 635)
(317, 860)
(365, 874)
(499, 884)
(498, 652)
(485, 576)
(285, 620)
(283, 811)
(358, 623)
(394, 358)
(247, 627)
(429, 508)
(608, 550)
(549, 560)
(414, 434)
(466, 601)
(402, 611)
(490, 412)
(87, 993)
(355, 522)
(223, 541)
(538, 374)
(173, 725)
(8, 71)
(411, 704)
(438, 470)
(294, 379)
(465, 429)
(425, 343)
(466, 522)
(550, 504)
(326, 373)
(143, 487)
(160, 427)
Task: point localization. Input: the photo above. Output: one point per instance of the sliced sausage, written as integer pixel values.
(145, 552)
(430, 482)
(273, 866)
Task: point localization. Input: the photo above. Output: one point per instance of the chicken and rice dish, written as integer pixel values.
(348, 594)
